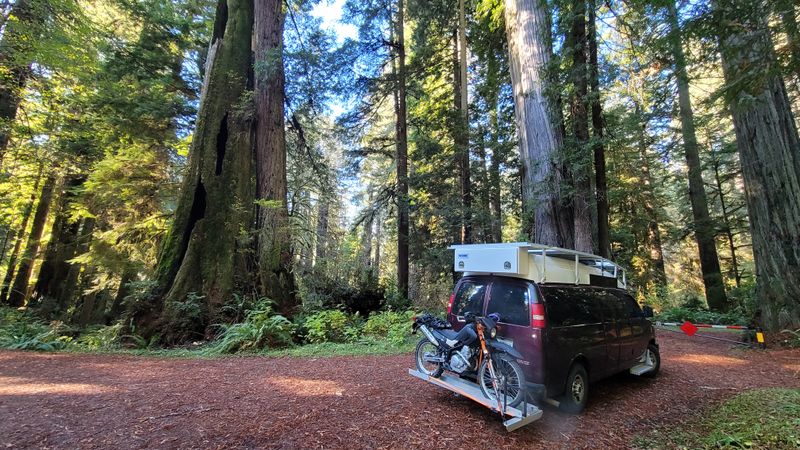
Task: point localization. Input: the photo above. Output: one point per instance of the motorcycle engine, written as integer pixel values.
(459, 362)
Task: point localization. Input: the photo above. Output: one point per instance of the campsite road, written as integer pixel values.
(109, 401)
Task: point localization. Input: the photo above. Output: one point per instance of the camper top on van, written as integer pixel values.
(538, 263)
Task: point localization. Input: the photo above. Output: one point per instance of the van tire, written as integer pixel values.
(577, 390)
(653, 349)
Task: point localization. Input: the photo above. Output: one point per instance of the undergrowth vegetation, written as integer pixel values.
(259, 330)
(757, 419)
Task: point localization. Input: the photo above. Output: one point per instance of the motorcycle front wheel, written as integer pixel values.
(508, 376)
(426, 348)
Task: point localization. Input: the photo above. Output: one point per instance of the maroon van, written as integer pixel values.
(569, 335)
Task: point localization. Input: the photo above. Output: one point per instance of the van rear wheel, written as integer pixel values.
(652, 358)
(574, 399)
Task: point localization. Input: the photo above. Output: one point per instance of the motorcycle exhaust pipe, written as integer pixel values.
(429, 335)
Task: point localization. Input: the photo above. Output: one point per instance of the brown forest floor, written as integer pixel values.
(107, 401)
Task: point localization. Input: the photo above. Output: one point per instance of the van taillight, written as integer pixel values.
(537, 315)
(450, 305)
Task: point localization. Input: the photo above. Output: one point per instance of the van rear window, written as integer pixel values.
(510, 300)
(469, 297)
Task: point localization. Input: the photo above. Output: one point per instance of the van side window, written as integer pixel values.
(568, 306)
(510, 300)
(631, 306)
(469, 298)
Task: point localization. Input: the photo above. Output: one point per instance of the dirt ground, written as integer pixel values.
(73, 401)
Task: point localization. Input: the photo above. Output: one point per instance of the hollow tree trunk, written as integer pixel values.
(580, 162)
(12, 259)
(703, 227)
(538, 123)
(401, 158)
(601, 185)
(19, 289)
(201, 252)
(769, 151)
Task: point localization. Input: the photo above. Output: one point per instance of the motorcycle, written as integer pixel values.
(473, 352)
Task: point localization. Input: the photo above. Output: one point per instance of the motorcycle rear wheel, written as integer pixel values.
(505, 368)
(432, 369)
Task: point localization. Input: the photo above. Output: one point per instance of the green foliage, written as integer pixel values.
(100, 338)
(791, 338)
(261, 329)
(331, 326)
(20, 330)
(393, 326)
(757, 419)
(680, 314)
(185, 316)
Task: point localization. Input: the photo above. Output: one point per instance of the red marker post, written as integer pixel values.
(689, 328)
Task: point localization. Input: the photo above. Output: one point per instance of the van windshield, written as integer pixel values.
(469, 297)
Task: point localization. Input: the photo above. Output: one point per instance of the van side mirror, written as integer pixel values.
(648, 311)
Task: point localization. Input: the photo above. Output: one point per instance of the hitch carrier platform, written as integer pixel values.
(518, 418)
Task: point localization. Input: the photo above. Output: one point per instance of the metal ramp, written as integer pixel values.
(518, 418)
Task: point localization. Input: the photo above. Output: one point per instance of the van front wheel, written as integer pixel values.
(574, 399)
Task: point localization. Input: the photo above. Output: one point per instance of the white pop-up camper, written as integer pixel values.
(538, 263)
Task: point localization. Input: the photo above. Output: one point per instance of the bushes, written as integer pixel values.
(20, 330)
(682, 313)
(395, 326)
(337, 326)
(261, 329)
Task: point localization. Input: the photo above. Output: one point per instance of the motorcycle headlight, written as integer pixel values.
(493, 333)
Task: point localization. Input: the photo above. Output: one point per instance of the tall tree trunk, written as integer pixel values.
(19, 290)
(726, 219)
(378, 237)
(653, 241)
(20, 33)
(322, 230)
(23, 227)
(70, 284)
(461, 128)
(601, 185)
(538, 123)
(201, 253)
(769, 150)
(401, 159)
(494, 171)
(124, 290)
(274, 238)
(580, 162)
(703, 227)
(484, 216)
(62, 247)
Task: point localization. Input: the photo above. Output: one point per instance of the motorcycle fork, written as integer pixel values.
(490, 363)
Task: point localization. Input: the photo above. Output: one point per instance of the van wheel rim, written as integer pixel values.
(577, 389)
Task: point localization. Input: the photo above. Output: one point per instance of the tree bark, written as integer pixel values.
(401, 158)
(769, 150)
(726, 218)
(322, 230)
(538, 123)
(20, 32)
(703, 227)
(62, 247)
(124, 290)
(494, 171)
(580, 162)
(601, 185)
(201, 253)
(461, 128)
(19, 290)
(12, 259)
(653, 241)
(274, 237)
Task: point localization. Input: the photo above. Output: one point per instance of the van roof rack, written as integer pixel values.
(537, 262)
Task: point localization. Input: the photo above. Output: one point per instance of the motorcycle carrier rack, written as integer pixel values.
(517, 417)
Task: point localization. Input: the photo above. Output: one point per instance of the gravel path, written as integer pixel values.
(99, 401)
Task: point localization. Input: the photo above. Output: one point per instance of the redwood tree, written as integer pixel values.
(201, 254)
(769, 150)
(538, 122)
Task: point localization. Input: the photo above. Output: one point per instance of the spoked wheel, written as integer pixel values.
(426, 349)
(507, 375)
